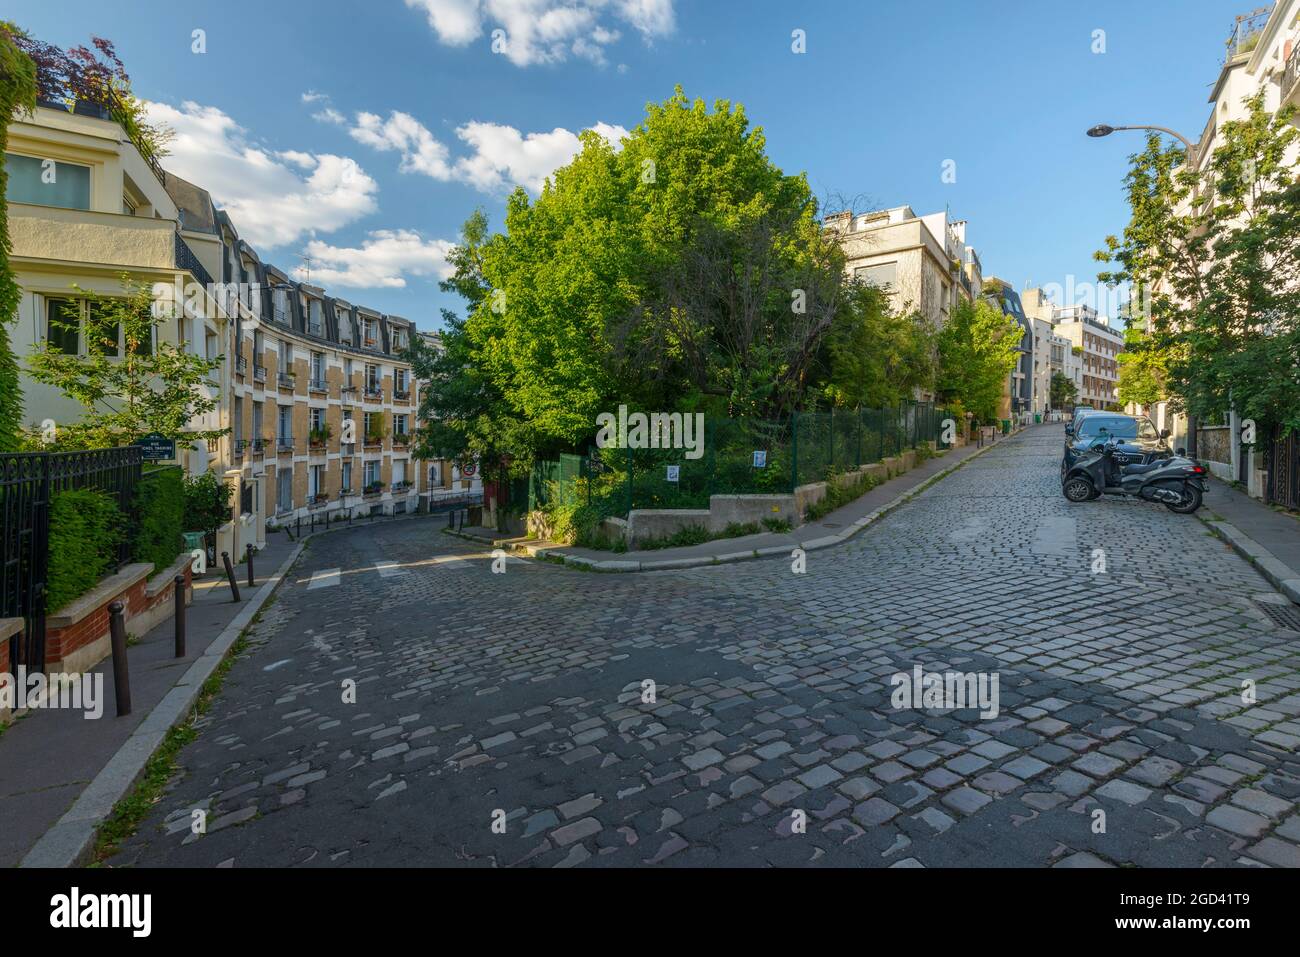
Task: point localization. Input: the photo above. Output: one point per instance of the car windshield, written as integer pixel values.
(1119, 426)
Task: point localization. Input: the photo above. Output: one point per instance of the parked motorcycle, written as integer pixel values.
(1176, 482)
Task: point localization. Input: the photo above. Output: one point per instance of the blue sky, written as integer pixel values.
(365, 133)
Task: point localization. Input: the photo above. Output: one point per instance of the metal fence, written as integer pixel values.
(737, 457)
(28, 482)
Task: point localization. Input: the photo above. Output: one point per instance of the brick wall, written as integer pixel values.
(61, 642)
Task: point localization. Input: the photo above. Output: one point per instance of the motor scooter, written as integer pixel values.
(1176, 482)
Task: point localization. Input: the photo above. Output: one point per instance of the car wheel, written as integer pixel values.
(1190, 503)
(1078, 489)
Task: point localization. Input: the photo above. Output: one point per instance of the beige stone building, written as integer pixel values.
(1099, 346)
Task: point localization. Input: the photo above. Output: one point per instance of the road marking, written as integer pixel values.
(389, 569)
(324, 578)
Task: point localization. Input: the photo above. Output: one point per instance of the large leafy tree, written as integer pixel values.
(679, 270)
(876, 357)
(978, 349)
(17, 93)
(129, 380)
(1214, 256)
(1063, 391)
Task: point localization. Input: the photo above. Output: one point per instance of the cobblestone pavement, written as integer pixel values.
(518, 697)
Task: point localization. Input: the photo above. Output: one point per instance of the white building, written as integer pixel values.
(1099, 346)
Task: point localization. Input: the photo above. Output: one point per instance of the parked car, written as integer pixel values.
(1138, 440)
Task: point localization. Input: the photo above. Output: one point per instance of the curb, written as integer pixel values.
(1281, 576)
(72, 838)
(617, 566)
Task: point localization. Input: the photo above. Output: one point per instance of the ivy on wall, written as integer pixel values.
(17, 93)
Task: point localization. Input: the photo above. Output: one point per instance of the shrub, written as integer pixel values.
(207, 504)
(86, 527)
(837, 496)
(160, 515)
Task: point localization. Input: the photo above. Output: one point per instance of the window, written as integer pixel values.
(314, 324)
(401, 376)
(63, 325)
(285, 424)
(258, 345)
(372, 473)
(280, 305)
(315, 481)
(880, 274)
(286, 356)
(257, 421)
(347, 475)
(47, 182)
(316, 417)
(238, 420)
(318, 369)
(399, 425)
(347, 372)
(435, 475)
(345, 326)
(372, 379)
(399, 471)
(284, 488)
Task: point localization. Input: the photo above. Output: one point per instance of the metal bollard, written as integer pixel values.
(230, 574)
(248, 557)
(179, 598)
(121, 674)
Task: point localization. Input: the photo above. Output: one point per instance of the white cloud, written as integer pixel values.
(382, 261)
(274, 198)
(502, 156)
(546, 31)
(421, 153)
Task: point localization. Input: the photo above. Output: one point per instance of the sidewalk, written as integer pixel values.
(1268, 538)
(831, 529)
(49, 757)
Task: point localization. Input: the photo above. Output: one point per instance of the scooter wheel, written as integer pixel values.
(1078, 489)
(1190, 503)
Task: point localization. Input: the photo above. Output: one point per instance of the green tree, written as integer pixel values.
(1213, 256)
(978, 349)
(1142, 369)
(876, 357)
(128, 388)
(1063, 391)
(682, 271)
(17, 94)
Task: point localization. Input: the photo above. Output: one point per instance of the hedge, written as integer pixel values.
(86, 527)
(160, 507)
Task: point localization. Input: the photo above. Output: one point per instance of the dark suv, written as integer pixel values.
(1138, 439)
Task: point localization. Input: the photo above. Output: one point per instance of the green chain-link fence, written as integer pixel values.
(739, 456)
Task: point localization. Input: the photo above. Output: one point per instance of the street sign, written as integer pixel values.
(156, 447)
(674, 472)
(760, 460)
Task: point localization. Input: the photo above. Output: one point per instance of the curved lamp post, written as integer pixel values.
(1100, 130)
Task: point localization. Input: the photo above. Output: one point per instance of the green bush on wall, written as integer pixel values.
(86, 527)
(160, 507)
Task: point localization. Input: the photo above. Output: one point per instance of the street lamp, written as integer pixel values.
(1100, 130)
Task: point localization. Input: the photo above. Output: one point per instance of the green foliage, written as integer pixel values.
(1213, 255)
(977, 352)
(1142, 369)
(690, 535)
(160, 518)
(1063, 390)
(17, 94)
(86, 527)
(152, 386)
(838, 495)
(207, 503)
(876, 357)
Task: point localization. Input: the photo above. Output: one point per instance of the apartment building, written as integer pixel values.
(323, 402)
(1099, 347)
(923, 261)
(86, 208)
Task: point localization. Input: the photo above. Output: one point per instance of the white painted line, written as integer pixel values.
(324, 578)
(389, 569)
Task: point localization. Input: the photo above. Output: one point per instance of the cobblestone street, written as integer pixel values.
(522, 693)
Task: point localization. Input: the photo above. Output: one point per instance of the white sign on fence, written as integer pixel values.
(673, 472)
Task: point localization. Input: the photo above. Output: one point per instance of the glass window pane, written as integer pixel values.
(47, 182)
(63, 324)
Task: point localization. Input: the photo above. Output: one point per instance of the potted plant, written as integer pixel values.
(317, 437)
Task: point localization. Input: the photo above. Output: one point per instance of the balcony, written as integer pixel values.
(241, 445)
(401, 438)
(285, 380)
(319, 500)
(401, 486)
(348, 394)
(1291, 72)
(401, 394)
(241, 365)
(259, 373)
(374, 488)
(374, 392)
(284, 443)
